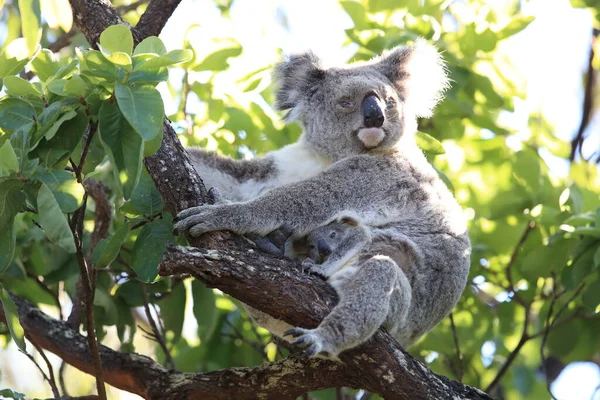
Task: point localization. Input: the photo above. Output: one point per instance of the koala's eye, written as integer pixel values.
(391, 103)
(332, 235)
(312, 246)
(346, 103)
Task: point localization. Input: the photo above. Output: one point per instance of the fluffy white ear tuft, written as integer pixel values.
(294, 76)
(419, 74)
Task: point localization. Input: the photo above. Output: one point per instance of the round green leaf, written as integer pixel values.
(171, 58)
(16, 86)
(53, 220)
(15, 113)
(143, 108)
(117, 38)
(150, 45)
(118, 58)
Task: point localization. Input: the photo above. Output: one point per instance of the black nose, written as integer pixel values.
(323, 247)
(372, 112)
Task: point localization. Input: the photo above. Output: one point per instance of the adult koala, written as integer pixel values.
(356, 156)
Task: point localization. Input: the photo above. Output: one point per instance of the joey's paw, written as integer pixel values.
(308, 264)
(312, 342)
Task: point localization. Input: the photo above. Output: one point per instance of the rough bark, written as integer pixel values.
(272, 284)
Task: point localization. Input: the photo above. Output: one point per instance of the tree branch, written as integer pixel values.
(154, 19)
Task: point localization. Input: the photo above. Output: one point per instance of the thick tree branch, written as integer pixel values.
(135, 373)
(279, 287)
(154, 19)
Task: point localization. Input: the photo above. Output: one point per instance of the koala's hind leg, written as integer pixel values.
(365, 302)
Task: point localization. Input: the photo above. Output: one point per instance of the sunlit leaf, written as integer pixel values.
(16, 86)
(108, 249)
(143, 108)
(8, 158)
(12, 319)
(150, 45)
(205, 310)
(31, 23)
(117, 38)
(515, 26)
(173, 311)
(58, 14)
(67, 191)
(53, 221)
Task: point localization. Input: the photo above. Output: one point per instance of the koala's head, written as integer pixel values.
(364, 106)
(324, 240)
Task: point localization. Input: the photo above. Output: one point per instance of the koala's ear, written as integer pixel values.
(349, 221)
(294, 76)
(419, 74)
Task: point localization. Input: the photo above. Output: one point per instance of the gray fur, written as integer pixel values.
(416, 265)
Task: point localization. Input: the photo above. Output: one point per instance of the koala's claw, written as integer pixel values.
(309, 340)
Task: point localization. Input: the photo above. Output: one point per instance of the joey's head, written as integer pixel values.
(326, 239)
(361, 107)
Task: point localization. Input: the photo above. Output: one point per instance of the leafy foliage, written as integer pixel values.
(94, 115)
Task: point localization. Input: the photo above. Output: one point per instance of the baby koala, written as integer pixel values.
(333, 253)
(333, 248)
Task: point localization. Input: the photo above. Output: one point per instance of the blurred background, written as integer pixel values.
(517, 139)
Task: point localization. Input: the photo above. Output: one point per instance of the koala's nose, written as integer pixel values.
(323, 247)
(372, 112)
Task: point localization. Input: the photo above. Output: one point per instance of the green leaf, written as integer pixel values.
(543, 259)
(58, 14)
(597, 258)
(96, 65)
(11, 394)
(171, 58)
(429, 144)
(205, 310)
(76, 86)
(31, 23)
(67, 191)
(118, 58)
(14, 57)
(52, 129)
(57, 86)
(15, 113)
(12, 319)
(143, 108)
(172, 311)
(53, 220)
(357, 13)
(146, 198)
(11, 202)
(64, 142)
(8, 158)
(514, 26)
(149, 248)
(16, 86)
(218, 61)
(591, 297)
(125, 148)
(117, 38)
(45, 64)
(108, 249)
(150, 45)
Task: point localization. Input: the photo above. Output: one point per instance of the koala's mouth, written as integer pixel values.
(371, 137)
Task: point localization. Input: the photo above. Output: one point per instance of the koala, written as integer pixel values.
(356, 156)
(332, 248)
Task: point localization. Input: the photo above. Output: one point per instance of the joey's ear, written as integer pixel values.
(294, 76)
(349, 221)
(419, 74)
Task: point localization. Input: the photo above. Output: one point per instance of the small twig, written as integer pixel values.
(61, 377)
(588, 101)
(546, 333)
(513, 354)
(156, 333)
(459, 357)
(259, 347)
(146, 221)
(50, 379)
(93, 127)
(512, 261)
(77, 229)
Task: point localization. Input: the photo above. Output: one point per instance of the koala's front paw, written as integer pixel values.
(198, 220)
(313, 342)
(308, 264)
